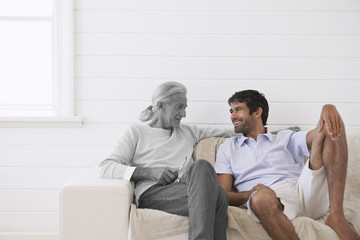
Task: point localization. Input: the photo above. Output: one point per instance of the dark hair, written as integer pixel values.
(253, 99)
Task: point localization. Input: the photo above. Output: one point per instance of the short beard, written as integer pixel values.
(244, 128)
(239, 129)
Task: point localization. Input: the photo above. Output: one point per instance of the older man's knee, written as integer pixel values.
(202, 164)
(202, 167)
(222, 195)
(202, 172)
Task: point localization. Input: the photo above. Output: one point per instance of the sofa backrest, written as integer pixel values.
(207, 149)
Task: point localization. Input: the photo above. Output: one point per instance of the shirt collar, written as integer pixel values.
(271, 137)
(268, 135)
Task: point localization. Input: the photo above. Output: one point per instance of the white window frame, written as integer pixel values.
(63, 73)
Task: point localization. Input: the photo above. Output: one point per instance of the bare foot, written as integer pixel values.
(316, 154)
(342, 228)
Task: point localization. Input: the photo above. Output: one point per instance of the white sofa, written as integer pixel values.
(92, 208)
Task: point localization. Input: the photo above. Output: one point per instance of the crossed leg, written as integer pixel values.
(327, 152)
(333, 155)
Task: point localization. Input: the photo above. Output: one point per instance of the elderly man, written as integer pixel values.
(157, 156)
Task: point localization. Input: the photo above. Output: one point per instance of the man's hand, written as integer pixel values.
(258, 187)
(330, 119)
(164, 176)
(237, 198)
(161, 175)
(246, 195)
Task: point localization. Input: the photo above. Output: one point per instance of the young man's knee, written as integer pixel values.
(264, 201)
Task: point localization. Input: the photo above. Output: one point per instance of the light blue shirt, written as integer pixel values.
(271, 159)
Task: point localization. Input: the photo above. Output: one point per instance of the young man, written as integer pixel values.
(269, 173)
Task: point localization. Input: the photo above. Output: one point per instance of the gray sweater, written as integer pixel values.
(140, 145)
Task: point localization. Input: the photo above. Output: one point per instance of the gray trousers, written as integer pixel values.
(197, 196)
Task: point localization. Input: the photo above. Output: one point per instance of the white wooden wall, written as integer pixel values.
(301, 54)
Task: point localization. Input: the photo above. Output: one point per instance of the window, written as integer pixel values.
(36, 60)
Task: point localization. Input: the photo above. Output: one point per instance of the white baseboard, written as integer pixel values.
(28, 236)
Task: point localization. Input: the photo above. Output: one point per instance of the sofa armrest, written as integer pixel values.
(93, 208)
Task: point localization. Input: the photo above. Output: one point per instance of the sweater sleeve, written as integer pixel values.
(201, 133)
(118, 163)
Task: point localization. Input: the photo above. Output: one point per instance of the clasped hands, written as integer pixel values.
(330, 120)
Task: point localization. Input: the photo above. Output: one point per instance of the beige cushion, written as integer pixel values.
(207, 149)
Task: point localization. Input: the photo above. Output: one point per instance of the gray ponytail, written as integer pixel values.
(147, 114)
(161, 93)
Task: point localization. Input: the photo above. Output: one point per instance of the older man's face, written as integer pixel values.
(174, 110)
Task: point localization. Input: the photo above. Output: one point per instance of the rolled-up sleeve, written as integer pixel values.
(118, 163)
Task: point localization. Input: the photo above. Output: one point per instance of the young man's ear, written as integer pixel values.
(258, 112)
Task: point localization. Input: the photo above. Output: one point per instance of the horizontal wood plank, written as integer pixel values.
(226, 5)
(217, 45)
(36, 178)
(203, 90)
(217, 68)
(29, 200)
(52, 155)
(217, 113)
(212, 22)
(91, 134)
(29, 222)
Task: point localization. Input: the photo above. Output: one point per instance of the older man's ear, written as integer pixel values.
(160, 105)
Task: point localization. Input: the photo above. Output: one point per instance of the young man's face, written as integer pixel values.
(241, 118)
(174, 110)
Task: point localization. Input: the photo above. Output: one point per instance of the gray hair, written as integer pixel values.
(162, 93)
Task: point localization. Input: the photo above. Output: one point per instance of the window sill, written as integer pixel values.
(39, 122)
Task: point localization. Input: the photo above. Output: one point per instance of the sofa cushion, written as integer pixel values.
(207, 149)
(154, 224)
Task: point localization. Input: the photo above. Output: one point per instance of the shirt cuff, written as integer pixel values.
(128, 172)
